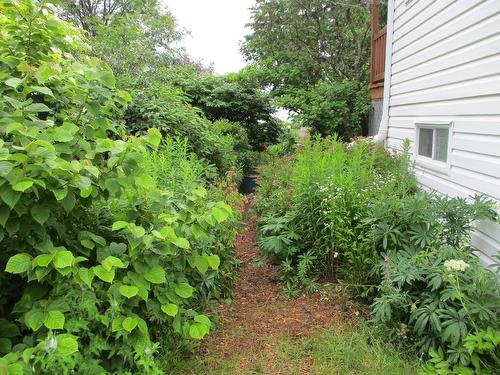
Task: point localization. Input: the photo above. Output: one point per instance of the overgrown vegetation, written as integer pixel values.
(353, 214)
(112, 247)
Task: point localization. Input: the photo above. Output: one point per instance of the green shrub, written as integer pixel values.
(331, 108)
(354, 213)
(326, 189)
(433, 286)
(167, 109)
(97, 259)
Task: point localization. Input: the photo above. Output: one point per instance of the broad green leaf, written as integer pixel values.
(129, 323)
(136, 230)
(4, 215)
(170, 309)
(184, 290)
(22, 185)
(60, 194)
(200, 263)
(155, 275)
(180, 242)
(111, 262)
(40, 213)
(213, 261)
(37, 107)
(117, 225)
(198, 231)
(104, 274)
(221, 212)
(18, 263)
(13, 82)
(67, 344)
(203, 319)
(9, 196)
(15, 369)
(63, 259)
(107, 78)
(116, 324)
(43, 90)
(43, 260)
(5, 167)
(68, 202)
(145, 181)
(54, 320)
(65, 132)
(128, 291)
(5, 346)
(153, 137)
(198, 330)
(104, 145)
(87, 275)
(88, 244)
(35, 319)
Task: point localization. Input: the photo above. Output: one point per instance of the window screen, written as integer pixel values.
(425, 142)
(441, 144)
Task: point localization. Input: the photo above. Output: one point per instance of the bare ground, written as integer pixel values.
(260, 314)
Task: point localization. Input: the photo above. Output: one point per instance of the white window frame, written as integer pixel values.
(430, 163)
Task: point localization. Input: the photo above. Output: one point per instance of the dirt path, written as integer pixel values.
(260, 314)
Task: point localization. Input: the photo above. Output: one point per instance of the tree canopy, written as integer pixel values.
(300, 45)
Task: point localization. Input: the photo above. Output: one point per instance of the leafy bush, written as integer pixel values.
(236, 97)
(354, 213)
(432, 285)
(99, 258)
(326, 189)
(167, 109)
(331, 108)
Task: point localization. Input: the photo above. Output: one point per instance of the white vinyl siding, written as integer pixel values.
(446, 68)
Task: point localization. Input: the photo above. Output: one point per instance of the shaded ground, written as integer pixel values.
(264, 332)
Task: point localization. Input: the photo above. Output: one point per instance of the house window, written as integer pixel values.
(433, 141)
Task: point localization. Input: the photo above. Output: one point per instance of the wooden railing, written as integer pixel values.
(378, 56)
(377, 65)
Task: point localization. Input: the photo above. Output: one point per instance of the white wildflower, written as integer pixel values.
(456, 265)
(51, 345)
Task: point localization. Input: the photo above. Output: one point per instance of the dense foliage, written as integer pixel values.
(110, 242)
(307, 50)
(237, 97)
(353, 214)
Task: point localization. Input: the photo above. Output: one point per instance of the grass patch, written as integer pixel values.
(359, 351)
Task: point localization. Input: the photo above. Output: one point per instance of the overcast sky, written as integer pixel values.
(217, 28)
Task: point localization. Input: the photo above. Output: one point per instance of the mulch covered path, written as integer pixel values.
(260, 311)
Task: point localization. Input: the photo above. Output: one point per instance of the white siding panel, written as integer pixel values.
(478, 143)
(466, 107)
(477, 125)
(433, 23)
(404, 12)
(488, 245)
(401, 133)
(446, 67)
(421, 52)
(485, 164)
(477, 51)
(478, 87)
(485, 67)
(476, 181)
(423, 12)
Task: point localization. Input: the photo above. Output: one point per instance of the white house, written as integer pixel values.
(441, 90)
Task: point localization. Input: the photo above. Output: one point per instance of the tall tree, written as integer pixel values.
(89, 14)
(315, 57)
(305, 41)
(133, 36)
